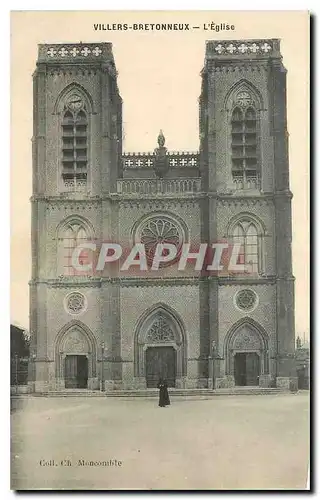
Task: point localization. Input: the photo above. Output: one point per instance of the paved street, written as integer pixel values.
(228, 442)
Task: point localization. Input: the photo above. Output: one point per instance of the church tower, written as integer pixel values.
(76, 164)
(245, 169)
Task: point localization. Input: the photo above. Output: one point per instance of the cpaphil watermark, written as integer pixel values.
(216, 258)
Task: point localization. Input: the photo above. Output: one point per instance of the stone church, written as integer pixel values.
(112, 330)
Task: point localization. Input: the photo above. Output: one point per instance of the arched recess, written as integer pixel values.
(242, 107)
(243, 85)
(245, 336)
(73, 108)
(170, 333)
(250, 231)
(75, 338)
(249, 217)
(75, 219)
(69, 90)
(71, 232)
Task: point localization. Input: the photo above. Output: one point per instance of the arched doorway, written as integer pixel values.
(75, 357)
(247, 353)
(160, 347)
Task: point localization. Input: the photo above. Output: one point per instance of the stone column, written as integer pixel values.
(285, 366)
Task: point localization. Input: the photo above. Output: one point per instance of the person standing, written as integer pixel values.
(164, 399)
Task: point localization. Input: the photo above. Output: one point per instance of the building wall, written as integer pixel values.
(204, 306)
(135, 301)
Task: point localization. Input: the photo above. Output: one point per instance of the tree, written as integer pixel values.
(19, 343)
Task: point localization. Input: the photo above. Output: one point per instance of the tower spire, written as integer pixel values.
(161, 139)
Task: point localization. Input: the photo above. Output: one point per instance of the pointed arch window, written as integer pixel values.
(244, 154)
(71, 236)
(75, 146)
(246, 234)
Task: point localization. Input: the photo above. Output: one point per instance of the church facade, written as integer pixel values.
(111, 329)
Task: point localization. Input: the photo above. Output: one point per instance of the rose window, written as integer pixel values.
(75, 303)
(160, 230)
(246, 300)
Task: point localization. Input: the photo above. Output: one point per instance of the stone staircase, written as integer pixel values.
(180, 393)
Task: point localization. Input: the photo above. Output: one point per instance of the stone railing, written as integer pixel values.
(146, 160)
(74, 52)
(246, 183)
(158, 186)
(243, 48)
(74, 186)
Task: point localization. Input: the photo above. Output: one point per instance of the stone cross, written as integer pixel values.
(85, 51)
(97, 51)
(51, 52)
(63, 52)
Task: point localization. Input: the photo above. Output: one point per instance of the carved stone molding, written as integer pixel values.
(246, 339)
(75, 343)
(160, 331)
(93, 282)
(152, 203)
(76, 52)
(243, 49)
(245, 202)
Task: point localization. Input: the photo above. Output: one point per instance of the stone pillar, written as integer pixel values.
(210, 373)
(285, 328)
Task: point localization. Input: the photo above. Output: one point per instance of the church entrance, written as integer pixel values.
(76, 372)
(160, 362)
(246, 368)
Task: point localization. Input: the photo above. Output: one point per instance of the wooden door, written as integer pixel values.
(240, 368)
(160, 363)
(71, 372)
(252, 368)
(82, 372)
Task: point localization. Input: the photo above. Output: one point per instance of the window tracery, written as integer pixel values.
(75, 144)
(246, 234)
(160, 331)
(73, 234)
(244, 142)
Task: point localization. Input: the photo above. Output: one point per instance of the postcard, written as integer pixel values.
(160, 259)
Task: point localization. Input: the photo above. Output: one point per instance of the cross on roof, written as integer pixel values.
(86, 51)
(254, 48)
(265, 47)
(231, 48)
(243, 48)
(74, 51)
(51, 52)
(97, 51)
(63, 52)
(219, 48)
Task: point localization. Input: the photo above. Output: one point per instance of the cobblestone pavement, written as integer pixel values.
(228, 442)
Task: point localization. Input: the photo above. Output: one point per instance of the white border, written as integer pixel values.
(311, 5)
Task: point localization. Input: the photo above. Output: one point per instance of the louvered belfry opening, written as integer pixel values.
(244, 146)
(75, 149)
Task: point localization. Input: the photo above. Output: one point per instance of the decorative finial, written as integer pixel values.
(161, 163)
(161, 139)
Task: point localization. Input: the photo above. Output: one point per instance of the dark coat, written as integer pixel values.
(164, 399)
